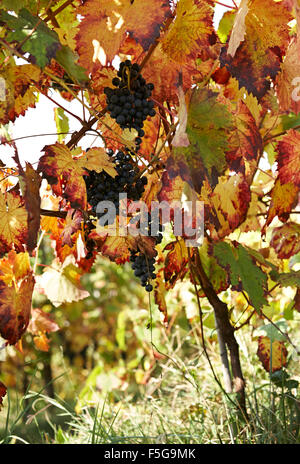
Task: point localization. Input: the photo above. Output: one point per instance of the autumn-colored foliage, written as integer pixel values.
(225, 133)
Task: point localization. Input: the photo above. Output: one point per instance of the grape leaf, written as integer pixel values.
(15, 296)
(288, 158)
(62, 123)
(228, 205)
(20, 93)
(13, 223)
(176, 261)
(286, 240)
(245, 142)
(283, 198)
(58, 162)
(225, 25)
(193, 24)
(61, 282)
(215, 273)
(106, 23)
(72, 225)
(3, 391)
(242, 271)
(273, 356)
(286, 79)
(258, 56)
(207, 128)
(159, 295)
(40, 324)
(286, 279)
(41, 42)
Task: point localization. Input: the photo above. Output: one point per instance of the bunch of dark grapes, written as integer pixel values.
(142, 264)
(89, 243)
(144, 268)
(129, 102)
(102, 187)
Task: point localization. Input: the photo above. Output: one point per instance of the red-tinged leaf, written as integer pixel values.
(176, 262)
(116, 249)
(287, 81)
(152, 188)
(258, 57)
(13, 223)
(41, 322)
(173, 180)
(20, 91)
(42, 342)
(32, 203)
(227, 205)
(286, 240)
(106, 23)
(152, 130)
(144, 244)
(277, 352)
(245, 142)
(163, 72)
(14, 267)
(159, 296)
(283, 199)
(288, 158)
(59, 164)
(99, 80)
(73, 224)
(15, 307)
(3, 391)
(193, 24)
(215, 273)
(251, 69)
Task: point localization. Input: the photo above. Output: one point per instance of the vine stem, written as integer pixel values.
(58, 10)
(274, 136)
(156, 42)
(65, 109)
(156, 157)
(20, 45)
(226, 329)
(226, 6)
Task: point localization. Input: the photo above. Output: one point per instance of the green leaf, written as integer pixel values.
(39, 40)
(62, 123)
(242, 270)
(286, 279)
(226, 25)
(272, 331)
(209, 123)
(67, 59)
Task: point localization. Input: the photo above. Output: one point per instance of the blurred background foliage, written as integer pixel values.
(108, 342)
(112, 348)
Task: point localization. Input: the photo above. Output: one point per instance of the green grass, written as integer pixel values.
(181, 404)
